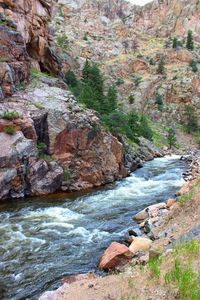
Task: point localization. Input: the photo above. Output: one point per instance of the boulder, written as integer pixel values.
(44, 177)
(116, 255)
(153, 210)
(140, 244)
(170, 202)
(141, 216)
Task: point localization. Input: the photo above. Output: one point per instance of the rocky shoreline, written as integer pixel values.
(147, 241)
(40, 158)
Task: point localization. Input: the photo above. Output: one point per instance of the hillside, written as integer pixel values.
(90, 92)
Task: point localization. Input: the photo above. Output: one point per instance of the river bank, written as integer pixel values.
(77, 227)
(179, 222)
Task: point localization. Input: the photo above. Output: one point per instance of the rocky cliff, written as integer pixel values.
(25, 41)
(129, 42)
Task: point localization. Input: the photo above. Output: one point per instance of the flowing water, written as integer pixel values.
(43, 240)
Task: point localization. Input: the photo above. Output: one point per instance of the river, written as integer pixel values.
(45, 239)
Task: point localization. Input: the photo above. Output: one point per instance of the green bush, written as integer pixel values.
(119, 81)
(190, 41)
(171, 137)
(159, 102)
(145, 130)
(10, 115)
(191, 119)
(131, 99)
(41, 148)
(9, 130)
(70, 79)
(161, 66)
(193, 66)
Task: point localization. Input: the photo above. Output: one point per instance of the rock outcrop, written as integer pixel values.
(55, 142)
(24, 40)
(14, 60)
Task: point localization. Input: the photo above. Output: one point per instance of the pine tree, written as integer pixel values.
(88, 96)
(191, 119)
(93, 77)
(190, 42)
(159, 102)
(175, 43)
(171, 138)
(133, 123)
(161, 68)
(70, 79)
(145, 129)
(111, 99)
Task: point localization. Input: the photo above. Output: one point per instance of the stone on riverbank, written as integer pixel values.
(140, 244)
(116, 255)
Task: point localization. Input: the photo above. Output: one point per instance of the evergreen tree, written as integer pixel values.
(190, 42)
(159, 102)
(70, 79)
(171, 137)
(145, 129)
(191, 119)
(88, 96)
(175, 43)
(133, 123)
(161, 66)
(110, 102)
(93, 85)
(131, 99)
(193, 65)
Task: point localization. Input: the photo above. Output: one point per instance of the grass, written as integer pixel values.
(154, 265)
(183, 274)
(37, 74)
(193, 191)
(10, 115)
(39, 106)
(9, 130)
(67, 175)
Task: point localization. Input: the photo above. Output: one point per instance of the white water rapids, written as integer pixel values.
(44, 239)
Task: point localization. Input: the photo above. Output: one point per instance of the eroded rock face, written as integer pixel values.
(71, 135)
(21, 172)
(24, 37)
(14, 60)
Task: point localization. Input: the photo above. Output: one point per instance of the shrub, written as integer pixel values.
(191, 119)
(41, 148)
(63, 42)
(145, 129)
(175, 43)
(151, 61)
(85, 38)
(9, 130)
(131, 99)
(190, 42)
(171, 137)
(159, 102)
(161, 67)
(70, 79)
(193, 65)
(137, 79)
(10, 115)
(66, 175)
(119, 81)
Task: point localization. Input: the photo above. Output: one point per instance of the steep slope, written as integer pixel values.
(128, 42)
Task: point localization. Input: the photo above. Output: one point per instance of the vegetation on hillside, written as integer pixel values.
(91, 91)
